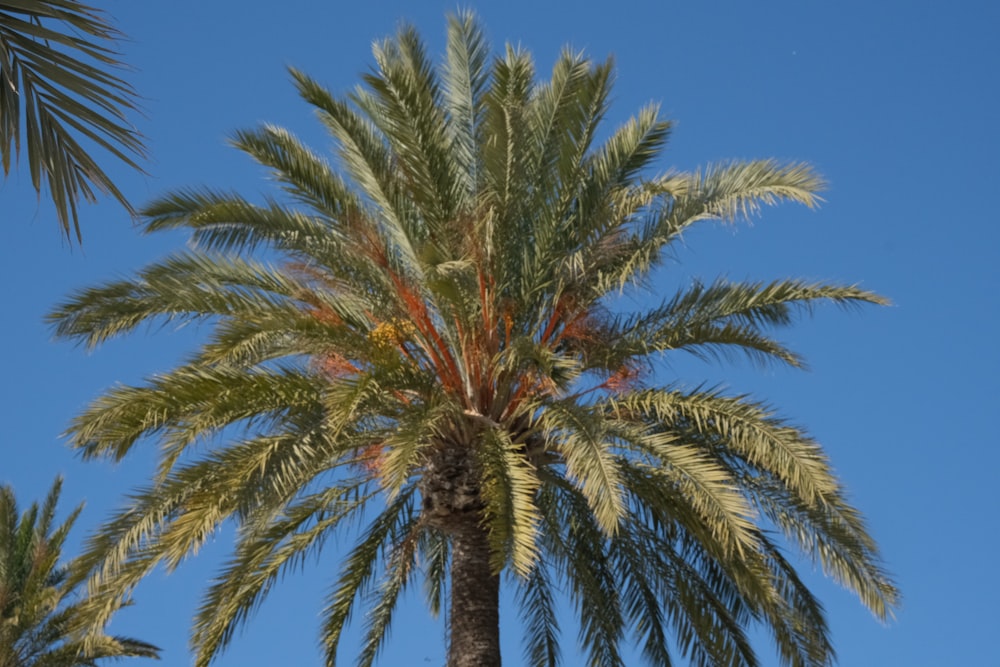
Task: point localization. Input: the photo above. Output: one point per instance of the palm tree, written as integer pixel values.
(56, 65)
(422, 339)
(37, 607)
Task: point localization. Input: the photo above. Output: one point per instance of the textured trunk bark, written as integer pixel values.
(474, 630)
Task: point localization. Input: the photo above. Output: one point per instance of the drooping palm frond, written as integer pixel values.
(38, 612)
(58, 87)
(417, 335)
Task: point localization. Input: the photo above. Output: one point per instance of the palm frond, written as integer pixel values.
(186, 286)
(537, 603)
(401, 569)
(262, 556)
(434, 547)
(189, 404)
(731, 190)
(410, 117)
(58, 85)
(725, 192)
(388, 529)
(589, 457)
(577, 543)
(465, 83)
(506, 158)
(40, 617)
(509, 488)
(835, 535)
(749, 430)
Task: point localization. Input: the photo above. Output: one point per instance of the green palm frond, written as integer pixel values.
(434, 548)
(57, 86)
(578, 546)
(189, 404)
(391, 527)
(38, 617)
(402, 568)
(263, 555)
(732, 190)
(186, 285)
(835, 535)
(536, 598)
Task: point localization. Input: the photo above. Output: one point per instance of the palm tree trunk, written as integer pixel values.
(474, 632)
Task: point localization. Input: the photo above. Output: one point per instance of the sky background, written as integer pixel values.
(896, 103)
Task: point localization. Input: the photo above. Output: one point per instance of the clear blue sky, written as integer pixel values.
(895, 102)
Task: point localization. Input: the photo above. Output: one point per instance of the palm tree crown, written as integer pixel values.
(56, 73)
(421, 338)
(37, 611)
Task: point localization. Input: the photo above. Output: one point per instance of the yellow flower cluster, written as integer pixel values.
(391, 333)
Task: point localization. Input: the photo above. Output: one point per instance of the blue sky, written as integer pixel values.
(896, 103)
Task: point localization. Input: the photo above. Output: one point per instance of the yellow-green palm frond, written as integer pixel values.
(720, 320)
(587, 449)
(509, 488)
(189, 285)
(724, 192)
(738, 428)
(465, 84)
